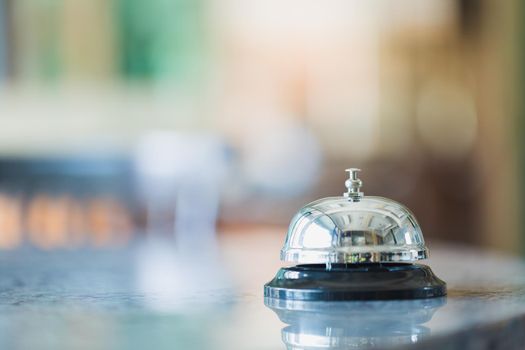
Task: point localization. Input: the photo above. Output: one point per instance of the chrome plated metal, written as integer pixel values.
(353, 184)
(354, 229)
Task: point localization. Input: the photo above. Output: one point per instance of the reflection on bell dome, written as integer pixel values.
(337, 230)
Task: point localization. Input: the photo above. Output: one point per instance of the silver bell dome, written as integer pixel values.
(354, 228)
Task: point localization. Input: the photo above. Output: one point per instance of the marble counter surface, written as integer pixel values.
(148, 295)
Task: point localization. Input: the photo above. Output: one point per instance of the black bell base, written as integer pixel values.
(355, 282)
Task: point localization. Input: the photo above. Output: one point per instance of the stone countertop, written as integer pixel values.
(149, 295)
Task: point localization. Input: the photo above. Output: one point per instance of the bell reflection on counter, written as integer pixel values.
(354, 247)
(342, 325)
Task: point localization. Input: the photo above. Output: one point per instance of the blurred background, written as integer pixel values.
(127, 118)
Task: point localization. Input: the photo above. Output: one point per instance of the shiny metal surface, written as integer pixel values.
(354, 229)
(339, 230)
(353, 184)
